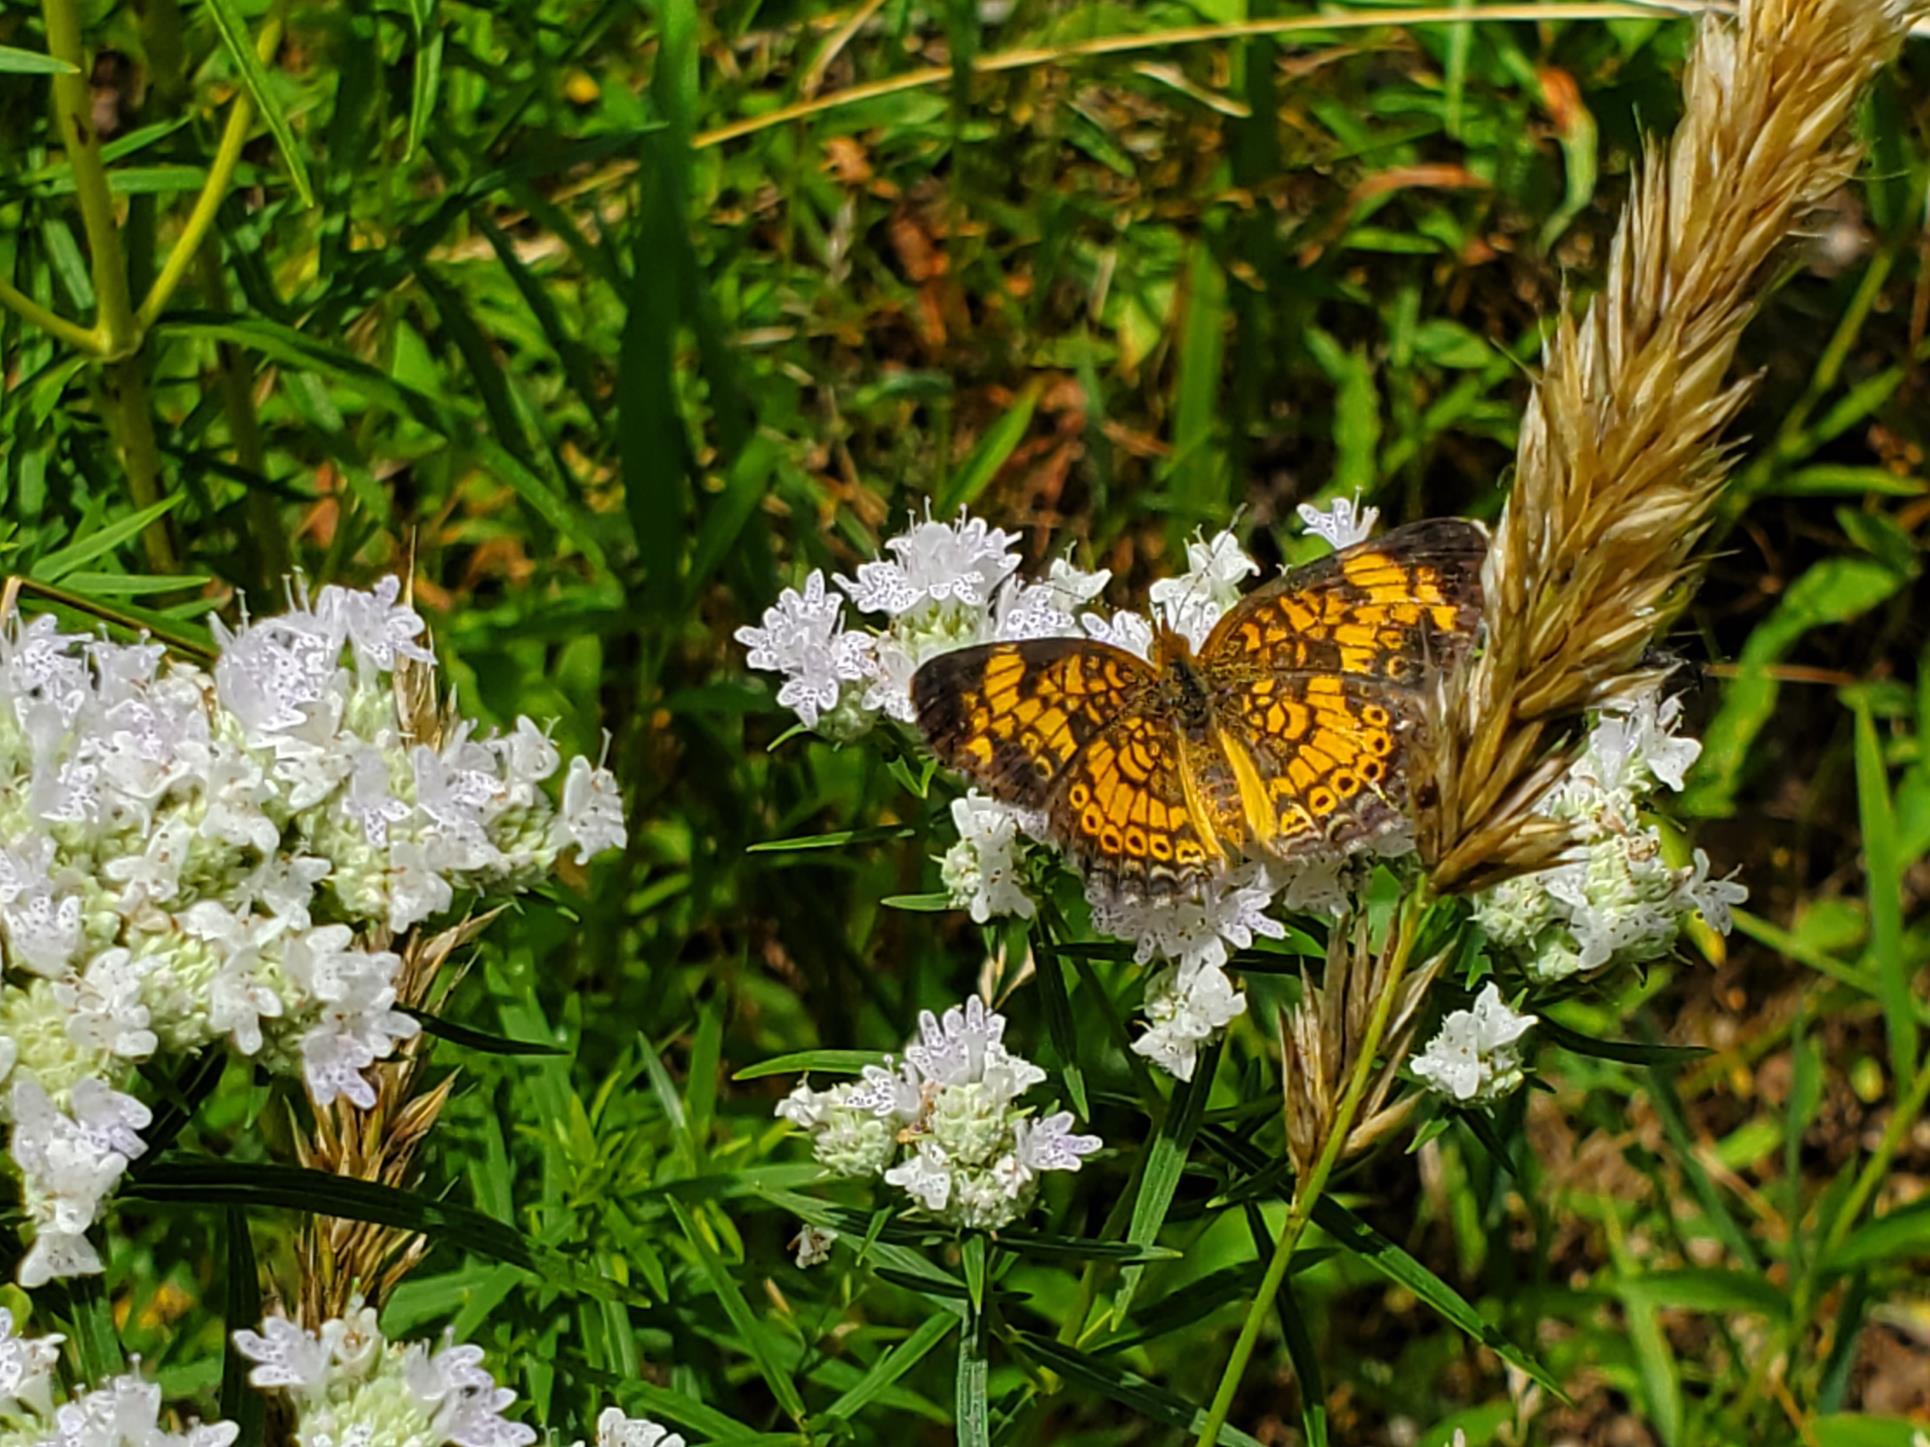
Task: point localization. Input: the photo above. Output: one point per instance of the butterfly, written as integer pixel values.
(1284, 735)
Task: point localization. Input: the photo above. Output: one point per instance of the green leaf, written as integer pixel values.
(1165, 1162)
(479, 1040)
(750, 1331)
(1083, 1248)
(1883, 879)
(1629, 1052)
(745, 487)
(14, 61)
(1707, 1289)
(994, 449)
(836, 839)
(1835, 590)
(832, 1062)
(893, 1365)
(1854, 1429)
(206, 1181)
(1197, 475)
(1058, 1023)
(54, 566)
(937, 901)
(972, 1422)
(1902, 1235)
(254, 79)
(1129, 1389)
(1397, 1266)
(240, 1403)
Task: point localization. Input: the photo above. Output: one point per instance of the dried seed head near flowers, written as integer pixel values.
(1284, 734)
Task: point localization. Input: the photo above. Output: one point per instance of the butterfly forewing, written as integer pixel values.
(1397, 607)
(1011, 715)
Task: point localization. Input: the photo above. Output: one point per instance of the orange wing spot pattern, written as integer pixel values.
(1310, 682)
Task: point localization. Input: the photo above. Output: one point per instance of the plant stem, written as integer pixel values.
(266, 541)
(1307, 1191)
(73, 105)
(213, 191)
(76, 336)
(128, 404)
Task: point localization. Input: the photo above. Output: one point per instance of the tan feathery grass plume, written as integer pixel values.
(1619, 462)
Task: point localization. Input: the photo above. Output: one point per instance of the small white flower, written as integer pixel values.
(936, 564)
(1634, 744)
(379, 629)
(1230, 911)
(1343, 522)
(1474, 1056)
(1186, 1006)
(1713, 899)
(284, 1355)
(1130, 631)
(983, 869)
(801, 638)
(925, 1176)
(592, 814)
(613, 1429)
(1193, 602)
(104, 1007)
(813, 1245)
(1050, 1145)
(26, 1368)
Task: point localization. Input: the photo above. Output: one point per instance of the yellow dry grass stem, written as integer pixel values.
(1620, 458)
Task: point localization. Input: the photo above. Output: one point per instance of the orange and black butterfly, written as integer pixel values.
(1285, 735)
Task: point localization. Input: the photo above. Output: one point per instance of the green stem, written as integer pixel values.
(129, 408)
(213, 191)
(1307, 1190)
(73, 104)
(76, 336)
(266, 540)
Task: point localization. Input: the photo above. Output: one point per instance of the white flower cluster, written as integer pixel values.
(951, 585)
(123, 1411)
(1475, 1057)
(945, 586)
(972, 1156)
(347, 1383)
(186, 858)
(1617, 901)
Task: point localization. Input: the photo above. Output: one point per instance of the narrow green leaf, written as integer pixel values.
(836, 839)
(1129, 1389)
(1083, 1248)
(972, 1422)
(54, 566)
(832, 1062)
(972, 1254)
(204, 1181)
(1629, 1052)
(893, 1365)
(15, 61)
(424, 82)
(992, 452)
(240, 1403)
(1883, 879)
(726, 515)
(1058, 1023)
(1165, 1162)
(750, 1331)
(1397, 1266)
(1710, 1290)
(936, 902)
(254, 79)
(479, 1040)
(1715, 1206)
(1198, 474)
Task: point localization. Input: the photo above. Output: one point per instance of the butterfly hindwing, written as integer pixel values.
(1328, 752)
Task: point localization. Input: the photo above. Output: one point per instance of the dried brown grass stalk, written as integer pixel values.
(1620, 460)
(343, 1260)
(1322, 1037)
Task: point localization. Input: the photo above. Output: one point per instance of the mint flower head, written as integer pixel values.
(347, 1383)
(1616, 900)
(944, 1124)
(193, 859)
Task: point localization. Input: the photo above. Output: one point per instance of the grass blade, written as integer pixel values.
(1883, 875)
(254, 79)
(749, 1329)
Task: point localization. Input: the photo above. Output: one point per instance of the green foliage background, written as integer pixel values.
(548, 298)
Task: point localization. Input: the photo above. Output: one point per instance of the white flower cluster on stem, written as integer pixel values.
(1475, 1058)
(944, 1124)
(1617, 901)
(348, 1383)
(122, 1411)
(951, 585)
(190, 859)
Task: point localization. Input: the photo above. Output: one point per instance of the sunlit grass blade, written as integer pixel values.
(261, 90)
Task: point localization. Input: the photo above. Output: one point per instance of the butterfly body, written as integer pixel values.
(1282, 735)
